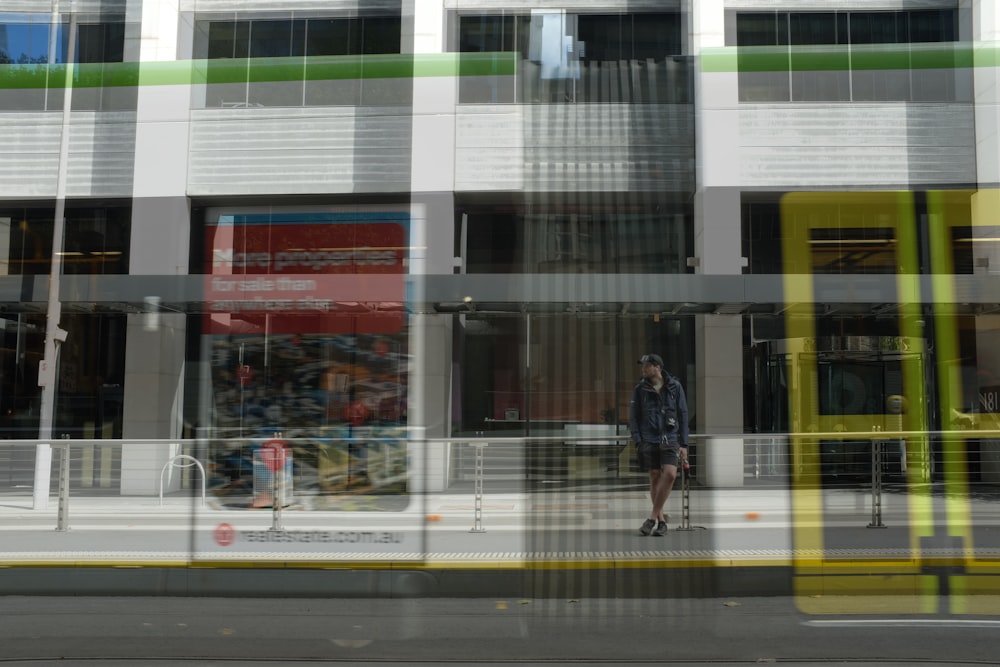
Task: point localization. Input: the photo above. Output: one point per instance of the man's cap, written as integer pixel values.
(651, 359)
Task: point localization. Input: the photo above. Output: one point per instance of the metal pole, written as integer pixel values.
(54, 336)
(756, 458)
(685, 473)
(478, 511)
(685, 499)
(278, 487)
(876, 485)
(62, 519)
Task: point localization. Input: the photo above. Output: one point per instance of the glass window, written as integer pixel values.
(604, 37)
(100, 43)
(616, 58)
(97, 44)
(279, 83)
(228, 39)
(30, 245)
(514, 239)
(819, 75)
(762, 29)
(331, 37)
(90, 400)
(276, 39)
(559, 373)
(303, 68)
(655, 35)
(25, 47)
(878, 28)
(96, 240)
(24, 39)
(933, 25)
(764, 71)
(817, 28)
(22, 344)
(380, 34)
(489, 34)
(871, 68)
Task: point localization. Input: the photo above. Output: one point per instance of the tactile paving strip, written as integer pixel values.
(512, 558)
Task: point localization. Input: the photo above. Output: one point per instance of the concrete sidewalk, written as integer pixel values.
(446, 522)
(571, 541)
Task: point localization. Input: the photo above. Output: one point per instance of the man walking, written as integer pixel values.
(658, 420)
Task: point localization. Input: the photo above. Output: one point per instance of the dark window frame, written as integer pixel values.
(218, 39)
(626, 78)
(849, 81)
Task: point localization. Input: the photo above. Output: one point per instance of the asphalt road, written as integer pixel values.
(207, 631)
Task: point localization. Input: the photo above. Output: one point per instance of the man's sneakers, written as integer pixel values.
(653, 527)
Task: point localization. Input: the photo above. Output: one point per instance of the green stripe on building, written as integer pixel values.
(856, 57)
(258, 70)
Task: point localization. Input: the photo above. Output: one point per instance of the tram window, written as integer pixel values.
(853, 250)
(855, 388)
(975, 249)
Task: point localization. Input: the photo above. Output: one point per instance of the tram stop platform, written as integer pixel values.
(575, 540)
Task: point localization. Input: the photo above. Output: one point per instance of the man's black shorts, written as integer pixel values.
(655, 455)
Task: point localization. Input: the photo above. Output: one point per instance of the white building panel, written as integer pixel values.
(845, 145)
(101, 150)
(310, 150)
(574, 147)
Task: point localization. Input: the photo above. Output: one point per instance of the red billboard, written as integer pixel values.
(306, 273)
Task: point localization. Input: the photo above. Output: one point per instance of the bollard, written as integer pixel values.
(876, 521)
(276, 458)
(477, 526)
(685, 472)
(62, 519)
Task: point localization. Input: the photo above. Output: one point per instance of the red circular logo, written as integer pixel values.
(225, 534)
(272, 453)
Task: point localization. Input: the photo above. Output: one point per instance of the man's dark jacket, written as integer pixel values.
(653, 415)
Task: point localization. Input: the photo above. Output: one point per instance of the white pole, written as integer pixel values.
(54, 336)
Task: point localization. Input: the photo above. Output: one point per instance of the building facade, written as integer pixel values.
(364, 222)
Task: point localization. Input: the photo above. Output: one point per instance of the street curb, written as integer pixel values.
(346, 582)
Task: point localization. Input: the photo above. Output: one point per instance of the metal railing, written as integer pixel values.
(331, 466)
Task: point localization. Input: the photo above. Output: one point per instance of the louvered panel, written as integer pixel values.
(271, 172)
(383, 151)
(27, 133)
(486, 126)
(101, 154)
(299, 150)
(878, 145)
(575, 147)
(489, 148)
(28, 174)
(489, 169)
(100, 162)
(214, 131)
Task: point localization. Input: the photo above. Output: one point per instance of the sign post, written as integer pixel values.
(273, 454)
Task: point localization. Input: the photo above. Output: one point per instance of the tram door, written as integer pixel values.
(899, 247)
(859, 381)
